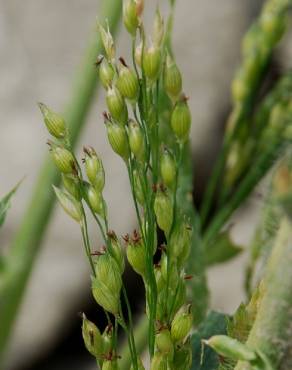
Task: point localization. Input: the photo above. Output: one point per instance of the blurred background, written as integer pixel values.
(41, 44)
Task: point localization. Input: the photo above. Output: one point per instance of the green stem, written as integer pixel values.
(130, 331)
(86, 243)
(271, 332)
(140, 333)
(27, 240)
(123, 324)
(152, 296)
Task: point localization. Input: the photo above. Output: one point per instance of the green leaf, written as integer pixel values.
(222, 250)
(214, 324)
(5, 204)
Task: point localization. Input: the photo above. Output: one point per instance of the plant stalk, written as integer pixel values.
(272, 330)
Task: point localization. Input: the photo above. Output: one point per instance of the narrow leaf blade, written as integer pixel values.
(5, 203)
(222, 250)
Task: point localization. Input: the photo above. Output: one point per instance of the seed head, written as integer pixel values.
(94, 199)
(136, 253)
(168, 168)
(55, 123)
(164, 342)
(106, 71)
(107, 284)
(131, 11)
(181, 119)
(117, 137)
(108, 42)
(92, 337)
(172, 78)
(158, 29)
(181, 324)
(70, 205)
(116, 105)
(152, 62)
(138, 188)
(179, 295)
(163, 209)
(71, 184)
(136, 140)
(127, 82)
(62, 158)
(116, 251)
(159, 361)
(140, 7)
(94, 169)
(110, 365)
(180, 242)
(273, 25)
(107, 339)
